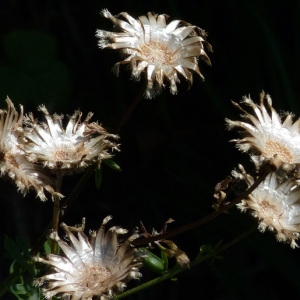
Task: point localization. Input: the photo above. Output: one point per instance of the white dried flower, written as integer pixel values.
(267, 135)
(158, 49)
(13, 162)
(97, 267)
(276, 206)
(73, 148)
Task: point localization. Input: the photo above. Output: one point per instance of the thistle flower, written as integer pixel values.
(96, 267)
(13, 162)
(267, 135)
(158, 49)
(276, 206)
(73, 148)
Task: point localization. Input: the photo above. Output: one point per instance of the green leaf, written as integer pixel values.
(209, 251)
(15, 268)
(26, 291)
(206, 250)
(98, 178)
(47, 246)
(152, 261)
(113, 165)
(165, 259)
(18, 289)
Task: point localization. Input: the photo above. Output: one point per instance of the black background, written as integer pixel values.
(174, 148)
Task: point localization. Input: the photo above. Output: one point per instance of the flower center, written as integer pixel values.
(68, 153)
(275, 148)
(156, 53)
(62, 155)
(94, 276)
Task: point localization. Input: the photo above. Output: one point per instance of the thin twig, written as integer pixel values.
(267, 169)
(129, 110)
(56, 209)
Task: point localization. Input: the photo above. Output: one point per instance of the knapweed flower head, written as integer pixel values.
(13, 162)
(72, 148)
(159, 50)
(266, 135)
(99, 266)
(275, 204)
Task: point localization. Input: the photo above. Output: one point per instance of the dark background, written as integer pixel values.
(174, 148)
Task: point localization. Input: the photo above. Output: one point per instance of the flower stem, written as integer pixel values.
(56, 210)
(82, 182)
(64, 206)
(77, 190)
(177, 269)
(57, 207)
(265, 171)
(130, 110)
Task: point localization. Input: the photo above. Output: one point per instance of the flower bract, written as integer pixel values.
(159, 50)
(99, 266)
(275, 204)
(267, 135)
(72, 148)
(13, 162)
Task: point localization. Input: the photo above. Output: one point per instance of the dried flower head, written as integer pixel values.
(267, 135)
(73, 148)
(276, 206)
(96, 267)
(160, 50)
(13, 162)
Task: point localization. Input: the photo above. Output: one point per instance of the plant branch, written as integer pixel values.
(198, 260)
(64, 207)
(56, 209)
(265, 171)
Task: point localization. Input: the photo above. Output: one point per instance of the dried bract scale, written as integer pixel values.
(160, 50)
(276, 206)
(171, 250)
(73, 148)
(267, 135)
(13, 162)
(99, 267)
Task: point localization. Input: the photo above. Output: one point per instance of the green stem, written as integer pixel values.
(177, 269)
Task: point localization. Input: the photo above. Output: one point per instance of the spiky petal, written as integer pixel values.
(157, 49)
(267, 135)
(275, 204)
(73, 148)
(13, 162)
(99, 266)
